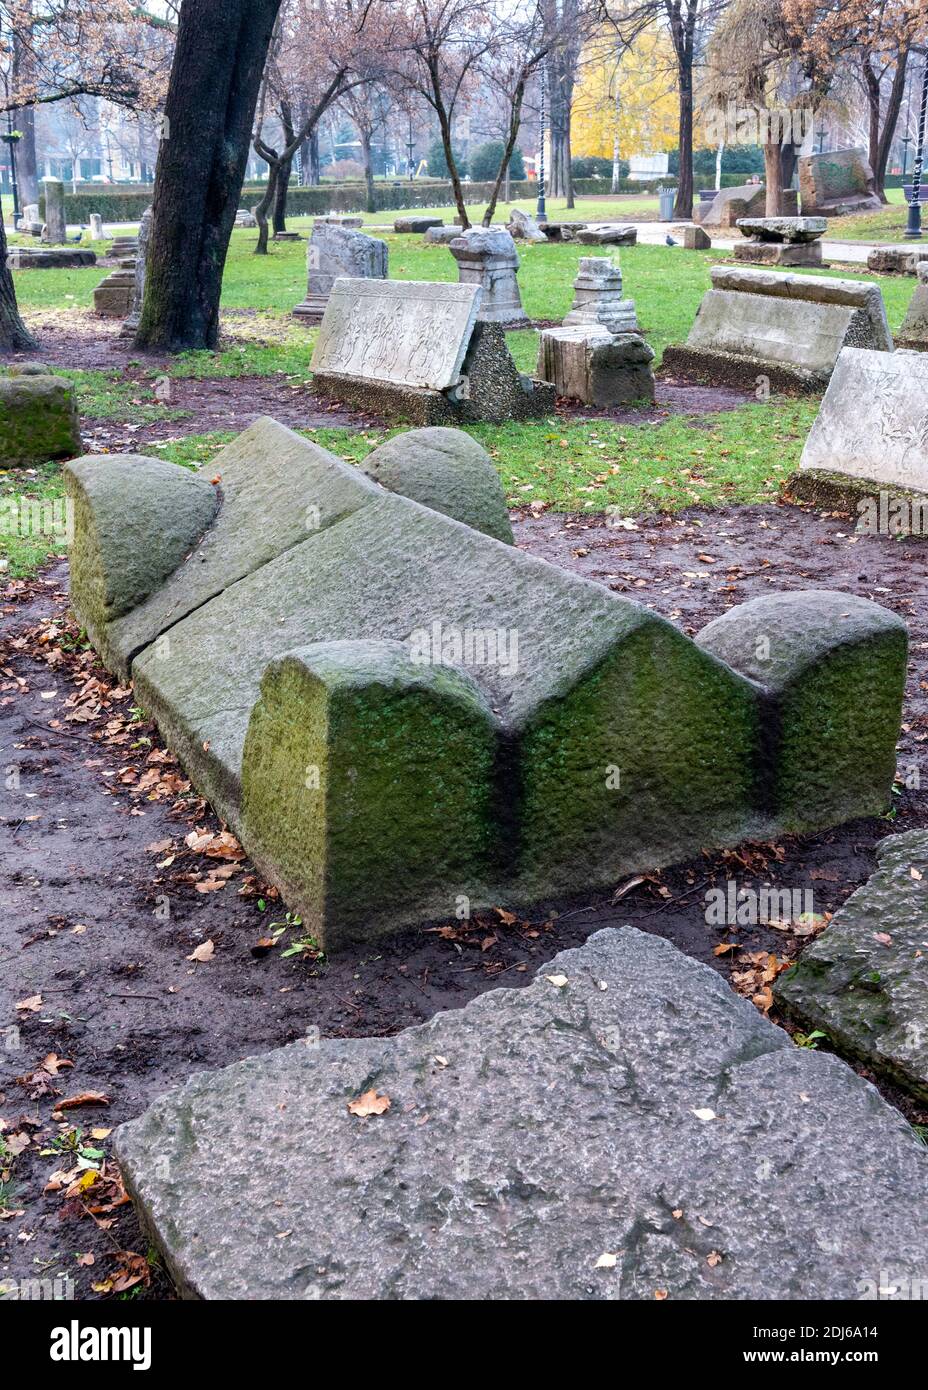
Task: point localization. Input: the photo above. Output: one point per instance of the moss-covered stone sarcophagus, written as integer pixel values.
(395, 709)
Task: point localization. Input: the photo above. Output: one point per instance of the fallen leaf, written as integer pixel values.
(203, 952)
(606, 1261)
(85, 1098)
(32, 1004)
(705, 1114)
(559, 981)
(370, 1103)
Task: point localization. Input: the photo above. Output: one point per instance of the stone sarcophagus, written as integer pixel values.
(335, 249)
(416, 350)
(393, 709)
(787, 328)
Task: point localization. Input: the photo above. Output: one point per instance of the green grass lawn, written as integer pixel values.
(738, 456)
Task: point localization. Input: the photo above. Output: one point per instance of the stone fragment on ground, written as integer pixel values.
(864, 980)
(625, 1127)
(913, 333)
(38, 417)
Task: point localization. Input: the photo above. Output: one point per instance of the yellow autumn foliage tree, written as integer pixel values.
(625, 93)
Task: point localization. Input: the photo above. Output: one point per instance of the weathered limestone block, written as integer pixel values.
(355, 709)
(616, 744)
(96, 227)
(748, 200)
(55, 226)
(38, 419)
(124, 246)
(695, 239)
(598, 297)
(913, 333)
(781, 240)
(139, 268)
(335, 250)
(136, 520)
(113, 296)
(608, 234)
(506, 1194)
(896, 260)
(522, 226)
(25, 258)
(413, 350)
(869, 435)
(441, 236)
(416, 224)
(446, 470)
(833, 668)
(864, 981)
(488, 257)
(789, 328)
(836, 183)
(562, 231)
(591, 364)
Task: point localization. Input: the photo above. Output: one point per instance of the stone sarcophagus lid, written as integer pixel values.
(417, 350)
(392, 707)
(786, 328)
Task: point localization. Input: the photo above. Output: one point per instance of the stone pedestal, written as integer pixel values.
(138, 275)
(113, 296)
(488, 258)
(55, 230)
(792, 241)
(598, 297)
(695, 239)
(592, 365)
(334, 250)
(96, 227)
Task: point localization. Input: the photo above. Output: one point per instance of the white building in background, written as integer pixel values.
(645, 167)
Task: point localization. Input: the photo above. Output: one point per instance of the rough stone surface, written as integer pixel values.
(896, 260)
(333, 250)
(446, 470)
(96, 227)
(814, 651)
(783, 229)
(113, 296)
(591, 364)
(70, 258)
(730, 204)
(598, 297)
(608, 234)
(488, 257)
(786, 253)
(873, 421)
(864, 980)
(695, 239)
(416, 224)
(138, 274)
(523, 227)
(913, 333)
(441, 236)
(38, 420)
(529, 1135)
(836, 183)
(55, 226)
(754, 321)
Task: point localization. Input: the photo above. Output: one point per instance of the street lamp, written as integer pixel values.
(540, 210)
(914, 226)
(10, 138)
(822, 131)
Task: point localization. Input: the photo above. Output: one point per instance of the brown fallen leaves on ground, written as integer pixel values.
(370, 1103)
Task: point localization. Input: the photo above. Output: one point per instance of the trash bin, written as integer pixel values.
(667, 197)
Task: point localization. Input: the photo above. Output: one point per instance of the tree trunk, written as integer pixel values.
(14, 336)
(27, 174)
(444, 123)
(268, 200)
(872, 86)
(281, 191)
(683, 204)
(789, 158)
(890, 121)
(213, 91)
(773, 175)
(314, 164)
(367, 157)
(515, 121)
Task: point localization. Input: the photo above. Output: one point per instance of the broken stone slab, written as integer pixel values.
(598, 297)
(864, 980)
(783, 229)
(608, 234)
(837, 183)
(855, 652)
(349, 221)
(789, 328)
(139, 270)
(54, 258)
(629, 1185)
(729, 204)
(896, 260)
(335, 250)
(38, 418)
(695, 239)
(562, 231)
(592, 365)
(414, 350)
(868, 437)
(55, 232)
(417, 224)
(487, 257)
(523, 227)
(789, 253)
(913, 334)
(112, 298)
(441, 236)
(446, 470)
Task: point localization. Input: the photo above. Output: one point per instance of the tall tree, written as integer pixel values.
(14, 335)
(218, 62)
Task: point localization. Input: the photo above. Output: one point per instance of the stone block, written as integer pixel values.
(38, 419)
(52, 258)
(488, 257)
(833, 668)
(608, 234)
(695, 239)
(747, 200)
(592, 365)
(896, 260)
(913, 333)
(788, 253)
(523, 227)
(863, 980)
(336, 250)
(55, 232)
(555, 1143)
(417, 224)
(836, 183)
(598, 297)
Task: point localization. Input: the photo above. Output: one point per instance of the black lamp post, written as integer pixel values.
(540, 210)
(10, 139)
(914, 226)
(822, 131)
